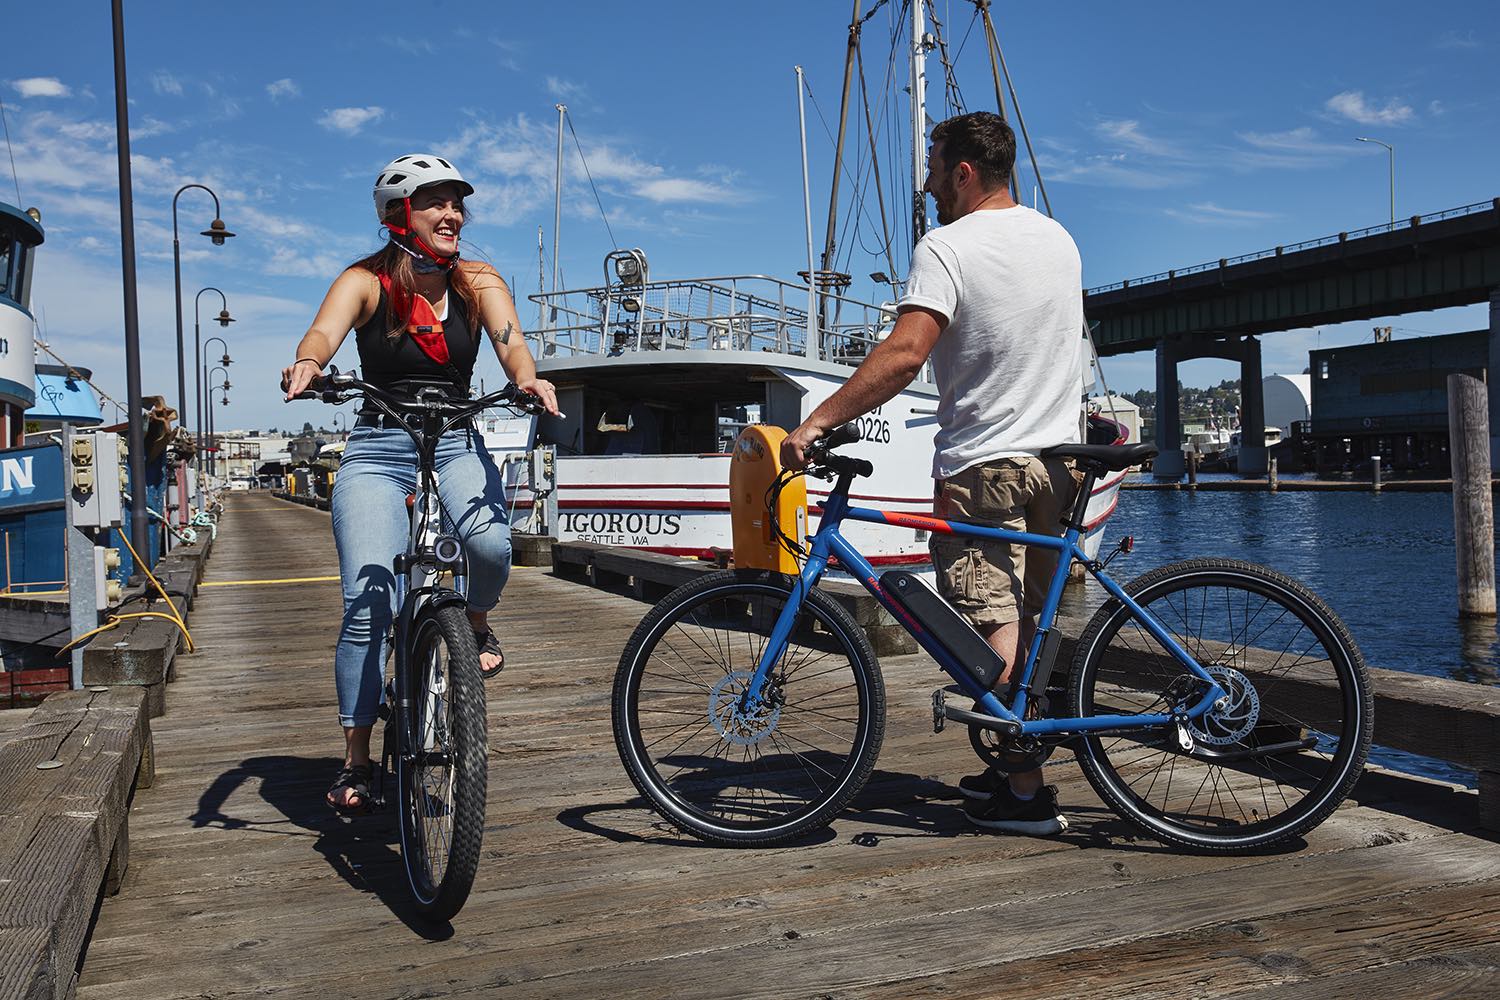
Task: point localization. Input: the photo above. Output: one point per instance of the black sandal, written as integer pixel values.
(487, 643)
(356, 778)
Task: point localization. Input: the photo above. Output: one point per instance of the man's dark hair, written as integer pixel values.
(982, 139)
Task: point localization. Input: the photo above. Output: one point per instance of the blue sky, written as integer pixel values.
(1168, 134)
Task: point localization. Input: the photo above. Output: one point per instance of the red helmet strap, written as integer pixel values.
(406, 230)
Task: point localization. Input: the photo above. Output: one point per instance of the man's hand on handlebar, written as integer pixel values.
(296, 378)
(795, 445)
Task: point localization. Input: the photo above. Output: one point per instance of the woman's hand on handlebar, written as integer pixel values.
(299, 376)
(544, 391)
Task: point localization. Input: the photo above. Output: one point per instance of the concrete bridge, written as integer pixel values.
(241, 883)
(1219, 309)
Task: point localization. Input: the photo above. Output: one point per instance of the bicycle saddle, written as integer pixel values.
(1110, 456)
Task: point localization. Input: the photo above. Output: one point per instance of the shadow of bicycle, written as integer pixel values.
(364, 851)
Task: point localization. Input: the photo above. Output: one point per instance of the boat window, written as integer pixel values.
(7, 254)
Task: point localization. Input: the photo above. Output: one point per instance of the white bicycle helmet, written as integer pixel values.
(402, 176)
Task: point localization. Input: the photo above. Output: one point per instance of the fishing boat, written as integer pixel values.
(657, 377)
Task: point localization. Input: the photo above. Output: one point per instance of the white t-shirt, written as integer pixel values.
(1009, 364)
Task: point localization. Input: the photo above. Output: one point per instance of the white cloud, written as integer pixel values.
(166, 84)
(680, 189)
(42, 86)
(564, 90)
(1209, 213)
(350, 120)
(283, 89)
(512, 164)
(1353, 105)
(1297, 140)
(285, 261)
(1456, 40)
(1127, 133)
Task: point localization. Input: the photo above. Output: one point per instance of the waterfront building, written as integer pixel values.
(1389, 399)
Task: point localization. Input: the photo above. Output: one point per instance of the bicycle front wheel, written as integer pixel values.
(1274, 757)
(747, 778)
(441, 768)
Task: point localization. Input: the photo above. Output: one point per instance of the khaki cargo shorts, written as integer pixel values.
(992, 582)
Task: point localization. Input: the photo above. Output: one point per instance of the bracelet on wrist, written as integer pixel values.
(313, 360)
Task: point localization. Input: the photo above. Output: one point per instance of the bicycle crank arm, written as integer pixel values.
(981, 720)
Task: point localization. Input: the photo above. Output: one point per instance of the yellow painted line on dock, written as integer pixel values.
(267, 583)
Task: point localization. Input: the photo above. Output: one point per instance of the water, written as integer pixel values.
(1384, 562)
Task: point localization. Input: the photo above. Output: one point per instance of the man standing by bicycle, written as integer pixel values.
(995, 299)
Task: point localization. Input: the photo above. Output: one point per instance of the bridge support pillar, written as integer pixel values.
(1168, 463)
(1252, 457)
(1494, 373)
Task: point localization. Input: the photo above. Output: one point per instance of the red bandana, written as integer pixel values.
(421, 322)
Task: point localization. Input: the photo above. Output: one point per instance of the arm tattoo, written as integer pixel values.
(503, 337)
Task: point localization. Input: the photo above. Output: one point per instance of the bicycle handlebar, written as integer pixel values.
(820, 455)
(340, 387)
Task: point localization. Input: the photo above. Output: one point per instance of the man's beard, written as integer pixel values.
(945, 203)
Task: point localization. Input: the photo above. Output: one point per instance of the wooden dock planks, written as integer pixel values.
(242, 883)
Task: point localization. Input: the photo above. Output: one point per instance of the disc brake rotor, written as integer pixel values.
(735, 725)
(1234, 716)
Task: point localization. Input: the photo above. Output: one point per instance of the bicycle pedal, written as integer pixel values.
(939, 710)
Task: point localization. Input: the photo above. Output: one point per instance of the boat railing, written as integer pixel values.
(729, 313)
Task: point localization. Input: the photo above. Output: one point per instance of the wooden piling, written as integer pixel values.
(1473, 511)
(1271, 482)
(1375, 473)
(1192, 469)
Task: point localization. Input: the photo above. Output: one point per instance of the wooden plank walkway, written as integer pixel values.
(242, 883)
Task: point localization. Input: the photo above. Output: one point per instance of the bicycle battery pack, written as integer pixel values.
(951, 630)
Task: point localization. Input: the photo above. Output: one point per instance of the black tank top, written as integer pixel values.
(397, 363)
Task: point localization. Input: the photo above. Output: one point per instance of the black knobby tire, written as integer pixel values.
(1275, 757)
(706, 767)
(443, 773)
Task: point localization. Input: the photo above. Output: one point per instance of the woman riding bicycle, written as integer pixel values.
(417, 311)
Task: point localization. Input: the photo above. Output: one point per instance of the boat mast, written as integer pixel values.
(992, 45)
(838, 159)
(541, 274)
(812, 284)
(562, 109)
(997, 52)
(919, 45)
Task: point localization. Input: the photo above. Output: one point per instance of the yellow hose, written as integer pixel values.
(160, 590)
(114, 620)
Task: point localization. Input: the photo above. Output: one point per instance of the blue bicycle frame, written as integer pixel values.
(828, 542)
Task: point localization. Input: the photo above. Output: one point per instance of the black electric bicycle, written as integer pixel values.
(434, 710)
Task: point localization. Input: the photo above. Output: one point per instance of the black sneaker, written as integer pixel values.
(981, 786)
(1003, 811)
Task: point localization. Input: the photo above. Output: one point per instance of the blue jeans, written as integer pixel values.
(370, 527)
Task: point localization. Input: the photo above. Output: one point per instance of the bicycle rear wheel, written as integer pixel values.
(441, 770)
(719, 773)
(1267, 763)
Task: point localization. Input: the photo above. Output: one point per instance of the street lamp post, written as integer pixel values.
(213, 467)
(218, 233)
(200, 394)
(340, 422)
(1391, 150)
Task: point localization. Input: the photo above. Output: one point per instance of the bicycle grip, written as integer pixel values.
(841, 435)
